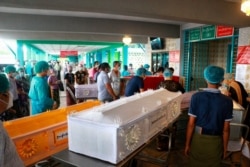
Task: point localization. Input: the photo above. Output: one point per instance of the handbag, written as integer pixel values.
(61, 87)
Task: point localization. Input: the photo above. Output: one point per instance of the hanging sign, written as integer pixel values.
(68, 53)
(195, 35)
(224, 31)
(174, 56)
(243, 56)
(208, 32)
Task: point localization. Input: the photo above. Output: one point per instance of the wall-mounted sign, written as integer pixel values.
(243, 56)
(68, 53)
(195, 35)
(174, 56)
(208, 32)
(224, 31)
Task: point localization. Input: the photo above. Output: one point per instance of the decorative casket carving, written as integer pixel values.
(112, 131)
(86, 91)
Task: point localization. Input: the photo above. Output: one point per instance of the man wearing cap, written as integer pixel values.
(208, 128)
(39, 90)
(136, 83)
(9, 156)
(173, 86)
(169, 83)
(146, 66)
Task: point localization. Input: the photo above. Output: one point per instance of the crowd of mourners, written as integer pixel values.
(210, 110)
(39, 85)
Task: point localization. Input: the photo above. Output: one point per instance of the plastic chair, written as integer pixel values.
(236, 143)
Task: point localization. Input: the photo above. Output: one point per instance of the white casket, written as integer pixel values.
(88, 91)
(112, 131)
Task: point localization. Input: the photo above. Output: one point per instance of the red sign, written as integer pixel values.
(224, 31)
(68, 53)
(243, 56)
(174, 56)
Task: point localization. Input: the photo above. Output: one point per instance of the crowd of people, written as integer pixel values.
(40, 89)
(210, 111)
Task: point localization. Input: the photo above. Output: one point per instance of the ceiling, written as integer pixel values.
(109, 21)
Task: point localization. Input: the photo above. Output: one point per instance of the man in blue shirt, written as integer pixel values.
(208, 129)
(136, 83)
(105, 90)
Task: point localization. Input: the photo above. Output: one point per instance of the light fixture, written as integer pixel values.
(245, 7)
(126, 40)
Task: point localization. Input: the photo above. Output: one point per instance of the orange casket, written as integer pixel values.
(39, 136)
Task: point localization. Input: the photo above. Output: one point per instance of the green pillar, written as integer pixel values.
(105, 56)
(112, 56)
(125, 55)
(87, 60)
(20, 53)
(29, 56)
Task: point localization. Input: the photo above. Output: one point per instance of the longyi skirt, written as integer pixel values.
(206, 151)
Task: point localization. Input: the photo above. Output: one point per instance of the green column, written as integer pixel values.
(125, 55)
(112, 55)
(104, 56)
(20, 53)
(88, 60)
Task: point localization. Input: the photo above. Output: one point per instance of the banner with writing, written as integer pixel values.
(174, 56)
(243, 56)
(224, 31)
(68, 53)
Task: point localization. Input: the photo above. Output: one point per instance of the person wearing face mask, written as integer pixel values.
(39, 90)
(9, 156)
(54, 86)
(92, 71)
(23, 86)
(11, 72)
(23, 79)
(105, 91)
(70, 89)
(81, 77)
(115, 78)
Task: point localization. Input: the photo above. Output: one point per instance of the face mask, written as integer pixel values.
(12, 75)
(80, 68)
(21, 74)
(6, 101)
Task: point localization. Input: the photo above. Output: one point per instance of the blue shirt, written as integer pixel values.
(211, 109)
(39, 95)
(102, 80)
(134, 85)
